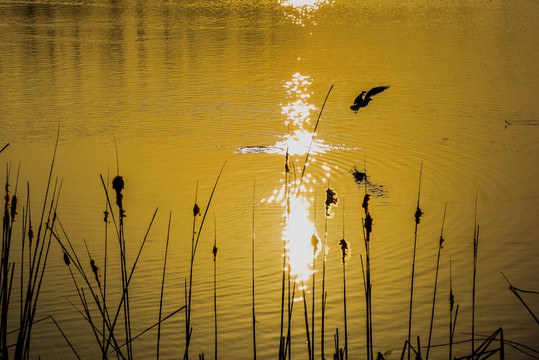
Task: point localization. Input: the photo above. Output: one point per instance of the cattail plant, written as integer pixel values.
(440, 247)
(315, 242)
(287, 212)
(417, 215)
(252, 273)
(475, 244)
(194, 245)
(215, 249)
(452, 321)
(331, 201)
(367, 222)
(309, 349)
(31, 275)
(345, 256)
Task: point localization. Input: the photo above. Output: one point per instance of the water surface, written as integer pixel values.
(185, 86)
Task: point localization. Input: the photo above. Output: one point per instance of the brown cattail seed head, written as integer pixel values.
(331, 200)
(315, 242)
(214, 251)
(418, 214)
(66, 259)
(441, 242)
(95, 270)
(118, 186)
(345, 253)
(118, 183)
(451, 300)
(365, 204)
(368, 226)
(196, 210)
(30, 234)
(13, 207)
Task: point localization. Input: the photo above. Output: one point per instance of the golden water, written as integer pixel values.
(185, 86)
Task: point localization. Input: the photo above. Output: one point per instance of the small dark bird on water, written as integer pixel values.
(365, 97)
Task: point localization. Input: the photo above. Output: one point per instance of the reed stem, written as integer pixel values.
(440, 246)
(475, 244)
(418, 214)
(163, 285)
(253, 272)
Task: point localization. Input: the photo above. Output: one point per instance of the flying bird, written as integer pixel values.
(365, 97)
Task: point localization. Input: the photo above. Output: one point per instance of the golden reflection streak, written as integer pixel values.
(301, 243)
(301, 10)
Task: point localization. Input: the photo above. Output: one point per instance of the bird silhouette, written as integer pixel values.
(365, 97)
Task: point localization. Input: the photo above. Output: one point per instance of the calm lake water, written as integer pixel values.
(183, 86)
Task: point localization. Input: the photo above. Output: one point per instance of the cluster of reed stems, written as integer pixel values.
(33, 258)
(99, 312)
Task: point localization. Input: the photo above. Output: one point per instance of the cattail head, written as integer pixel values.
(441, 242)
(196, 210)
(331, 200)
(345, 250)
(30, 234)
(95, 270)
(106, 216)
(365, 204)
(451, 300)
(214, 251)
(13, 207)
(368, 225)
(417, 215)
(118, 186)
(66, 259)
(315, 242)
(286, 167)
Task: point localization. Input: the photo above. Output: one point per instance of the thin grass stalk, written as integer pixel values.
(440, 246)
(290, 306)
(215, 249)
(344, 282)
(4, 148)
(287, 212)
(475, 244)
(35, 278)
(65, 337)
(418, 214)
(122, 254)
(288, 346)
(451, 303)
(133, 267)
(312, 139)
(6, 240)
(25, 222)
(306, 322)
(252, 274)
(188, 335)
(323, 306)
(103, 310)
(515, 291)
(106, 235)
(82, 297)
(118, 186)
(367, 223)
(196, 212)
(156, 324)
(367, 318)
(314, 241)
(163, 286)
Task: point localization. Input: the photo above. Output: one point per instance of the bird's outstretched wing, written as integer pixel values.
(376, 90)
(358, 99)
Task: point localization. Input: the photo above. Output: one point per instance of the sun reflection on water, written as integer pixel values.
(301, 10)
(296, 194)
